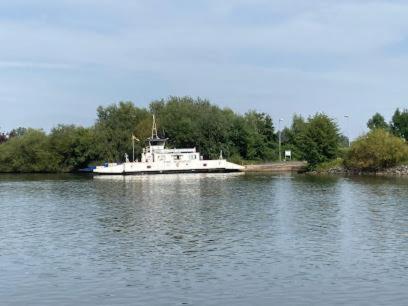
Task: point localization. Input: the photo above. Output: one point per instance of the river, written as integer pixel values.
(203, 239)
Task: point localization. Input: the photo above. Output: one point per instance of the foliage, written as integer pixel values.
(399, 124)
(344, 141)
(20, 131)
(3, 137)
(73, 146)
(28, 153)
(376, 150)
(338, 162)
(377, 122)
(315, 140)
(114, 128)
(292, 137)
(187, 122)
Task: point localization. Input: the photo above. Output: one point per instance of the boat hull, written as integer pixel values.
(213, 166)
(170, 172)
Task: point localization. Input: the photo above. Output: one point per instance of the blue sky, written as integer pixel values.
(59, 60)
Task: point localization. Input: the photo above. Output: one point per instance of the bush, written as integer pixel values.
(335, 163)
(376, 150)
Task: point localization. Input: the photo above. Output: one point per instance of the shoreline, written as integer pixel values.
(276, 167)
(397, 171)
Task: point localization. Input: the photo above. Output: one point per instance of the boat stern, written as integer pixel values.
(234, 167)
(111, 168)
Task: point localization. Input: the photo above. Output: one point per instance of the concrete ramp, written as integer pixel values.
(291, 166)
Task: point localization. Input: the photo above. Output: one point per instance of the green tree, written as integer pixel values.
(20, 131)
(319, 140)
(292, 137)
(261, 138)
(399, 123)
(74, 146)
(377, 122)
(30, 152)
(191, 122)
(344, 141)
(376, 150)
(114, 128)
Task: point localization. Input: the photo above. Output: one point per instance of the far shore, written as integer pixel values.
(281, 167)
(301, 167)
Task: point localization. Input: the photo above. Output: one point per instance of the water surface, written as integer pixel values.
(203, 239)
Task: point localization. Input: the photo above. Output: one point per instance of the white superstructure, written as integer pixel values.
(156, 159)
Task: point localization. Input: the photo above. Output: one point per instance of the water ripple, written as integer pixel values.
(203, 240)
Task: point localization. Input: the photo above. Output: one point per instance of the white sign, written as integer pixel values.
(288, 153)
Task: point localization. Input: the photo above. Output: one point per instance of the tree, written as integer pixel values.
(186, 121)
(261, 139)
(3, 137)
(114, 128)
(292, 137)
(377, 122)
(344, 141)
(376, 150)
(319, 140)
(399, 123)
(28, 153)
(20, 131)
(74, 146)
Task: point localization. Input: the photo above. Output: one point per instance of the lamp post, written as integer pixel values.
(280, 139)
(347, 128)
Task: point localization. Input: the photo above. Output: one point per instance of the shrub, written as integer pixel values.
(376, 150)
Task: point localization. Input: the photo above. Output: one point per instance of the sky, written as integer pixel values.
(60, 60)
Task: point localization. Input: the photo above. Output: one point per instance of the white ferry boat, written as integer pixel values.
(157, 159)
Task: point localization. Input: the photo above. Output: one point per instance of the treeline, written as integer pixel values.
(185, 121)
(189, 122)
(318, 141)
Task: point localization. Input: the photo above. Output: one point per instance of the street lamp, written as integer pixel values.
(280, 139)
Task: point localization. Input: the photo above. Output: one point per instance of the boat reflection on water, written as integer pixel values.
(158, 189)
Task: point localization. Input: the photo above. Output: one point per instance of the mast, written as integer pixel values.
(154, 128)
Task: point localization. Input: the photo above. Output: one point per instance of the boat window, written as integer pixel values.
(204, 165)
(157, 142)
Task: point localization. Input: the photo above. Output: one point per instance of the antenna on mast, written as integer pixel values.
(154, 128)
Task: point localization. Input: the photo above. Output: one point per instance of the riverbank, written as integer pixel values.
(401, 170)
(291, 166)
